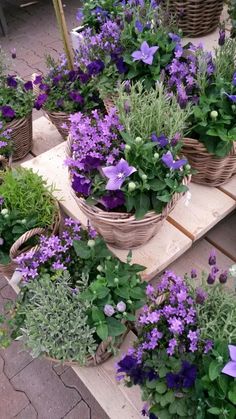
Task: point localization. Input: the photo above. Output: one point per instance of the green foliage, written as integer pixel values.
(232, 14)
(56, 322)
(19, 99)
(114, 9)
(224, 60)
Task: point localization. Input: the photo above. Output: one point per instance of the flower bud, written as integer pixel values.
(138, 140)
(212, 258)
(211, 279)
(223, 277)
(188, 167)
(127, 147)
(131, 186)
(121, 306)
(156, 156)
(23, 221)
(214, 115)
(116, 280)
(109, 310)
(99, 268)
(4, 211)
(144, 177)
(1, 241)
(233, 108)
(91, 243)
(6, 216)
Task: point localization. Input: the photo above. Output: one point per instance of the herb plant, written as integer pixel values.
(5, 141)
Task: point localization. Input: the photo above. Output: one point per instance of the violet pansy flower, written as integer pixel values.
(145, 54)
(230, 367)
(169, 161)
(117, 174)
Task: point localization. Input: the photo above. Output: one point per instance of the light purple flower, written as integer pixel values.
(117, 174)
(176, 326)
(169, 161)
(145, 54)
(174, 37)
(121, 306)
(139, 26)
(149, 290)
(109, 310)
(171, 347)
(208, 346)
(230, 367)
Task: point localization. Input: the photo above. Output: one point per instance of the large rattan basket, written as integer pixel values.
(21, 136)
(196, 17)
(211, 170)
(21, 245)
(58, 119)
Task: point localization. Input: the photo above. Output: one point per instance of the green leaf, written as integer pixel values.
(137, 293)
(97, 315)
(161, 388)
(157, 185)
(102, 331)
(122, 292)
(102, 292)
(81, 249)
(232, 395)
(214, 370)
(164, 198)
(214, 411)
(115, 327)
(142, 204)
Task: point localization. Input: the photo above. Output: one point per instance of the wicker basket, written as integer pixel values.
(21, 136)
(196, 17)
(5, 162)
(211, 170)
(20, 246)
(109, 103)
(59, 118)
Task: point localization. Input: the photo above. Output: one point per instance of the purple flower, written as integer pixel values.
(211, 278)
(174, 37)
(221, 40)
(184, 379)
(109, 310)
(139, 26)
(128, 15)
(231, 97)
(145, 54)
(41, 99)
(76, 97)
(201, 296)
(178, 51)
(161, 140)
(113, 200)
(95, 67)
(121, 66)
(223, 277)
(230, 367)
(176, 325)
(234, 79)
(13, 53)
(121, 306)
(171, 163)
(193, 273)
(175, 139)
(8, 112)
(212, 258)
(11, 82)
(117, 174)
(208, 346)
(171, 347)
(81, 184)
(38, 80)
(80, 15)
(127, 364)
(28, 85)
(1, 200)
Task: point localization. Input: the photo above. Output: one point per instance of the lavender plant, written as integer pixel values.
(5, 141)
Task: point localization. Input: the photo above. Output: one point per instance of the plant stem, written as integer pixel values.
(64, 32)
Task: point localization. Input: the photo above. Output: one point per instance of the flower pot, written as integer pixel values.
(77, 37)
(21, 136)
(211, 170)
(20, 246)
(196, 17)
(58, 119)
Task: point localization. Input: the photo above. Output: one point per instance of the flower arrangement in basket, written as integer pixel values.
(211, 148)
(124, 167)
(136, 46)
(16, 103)
(5, 147)
(63, 92)
(184, 358)
(99, 295)
(27, 210)
(94, 14)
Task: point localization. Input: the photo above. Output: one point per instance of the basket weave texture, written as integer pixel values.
(197, 17)
(59, 118)
(21, 136)
(20, 246)
(211, 170)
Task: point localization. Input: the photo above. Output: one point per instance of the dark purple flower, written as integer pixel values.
(113, 200)
(201, 296)
(127, 364)
(44, 87)
(212, 258)
(91, 163)
(189, 374)
(221, 40)
(84, 78)
(8, 112)
(60, 103)
(152, 416)
(56, 79)
(174, 37)
(173, 380)
(211, 279)
(76, 97)
(139, 26)
(28, 85)
(121, 66)
(231, 97)
(41, 99)
(38, 80)
(223, 277)
(171, 163)
(161, 140)
(72, 75)
(193, 273)
(117, 174)
(81, 185)
(13, 53)
(11, 82)
(145, 54)
(95, 67)
(128, 16)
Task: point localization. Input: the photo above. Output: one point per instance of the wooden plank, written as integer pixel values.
(207, 207)
(230, 188)
(45, 136)
(166, 246)
(223, 236)
(115, 399)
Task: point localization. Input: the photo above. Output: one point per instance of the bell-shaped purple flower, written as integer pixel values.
(162, 140)
(117, 174)
(230, 367)
(145, 54)
(231, 97)
(169, 161)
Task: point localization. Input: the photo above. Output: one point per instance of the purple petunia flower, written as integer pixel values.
(113, 200)
(184, 379)
(121, 66)
(76, 97)
(41, 99)
(95, 67)
(231, 97)
(145, 54)
(11, 82)
(230, 367)
(38, 80)
(28, 85)
(81, 184)
(162, 140)
(117, 174)
(8, 112)
(171, 163)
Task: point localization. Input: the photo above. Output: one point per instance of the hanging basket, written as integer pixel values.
(21, 136)
(196, 17)
(20, 246)
(211, 170)
(59, 118)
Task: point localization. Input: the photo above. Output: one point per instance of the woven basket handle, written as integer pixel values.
(14, 250)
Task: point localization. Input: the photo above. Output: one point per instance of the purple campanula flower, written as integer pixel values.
(95, 67)
(3, 144)
(208, 346)
(117, 174)
(178, 51)
(76, 97)
(80, 15)
(230, 367)
(174, 37)
(139, 26)
(212, 258)
(221, 40)
(145, 54)
(109, 310)
(8, 112)
(231, 97)
(28, 85)
(176, 325)
(81, 184)
(234, 79)
(11, 82)
(41, 99)
(168, 160)
(113, 200)
(171, 347)
(223, 277)
(161, 140)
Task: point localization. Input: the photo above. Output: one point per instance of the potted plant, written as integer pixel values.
(211, 148)
(16, 103)
(5, 148)
(27, 210)
(124, 167)
(63, 92)
(99, 295)
(135, 48)
(184, 356)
